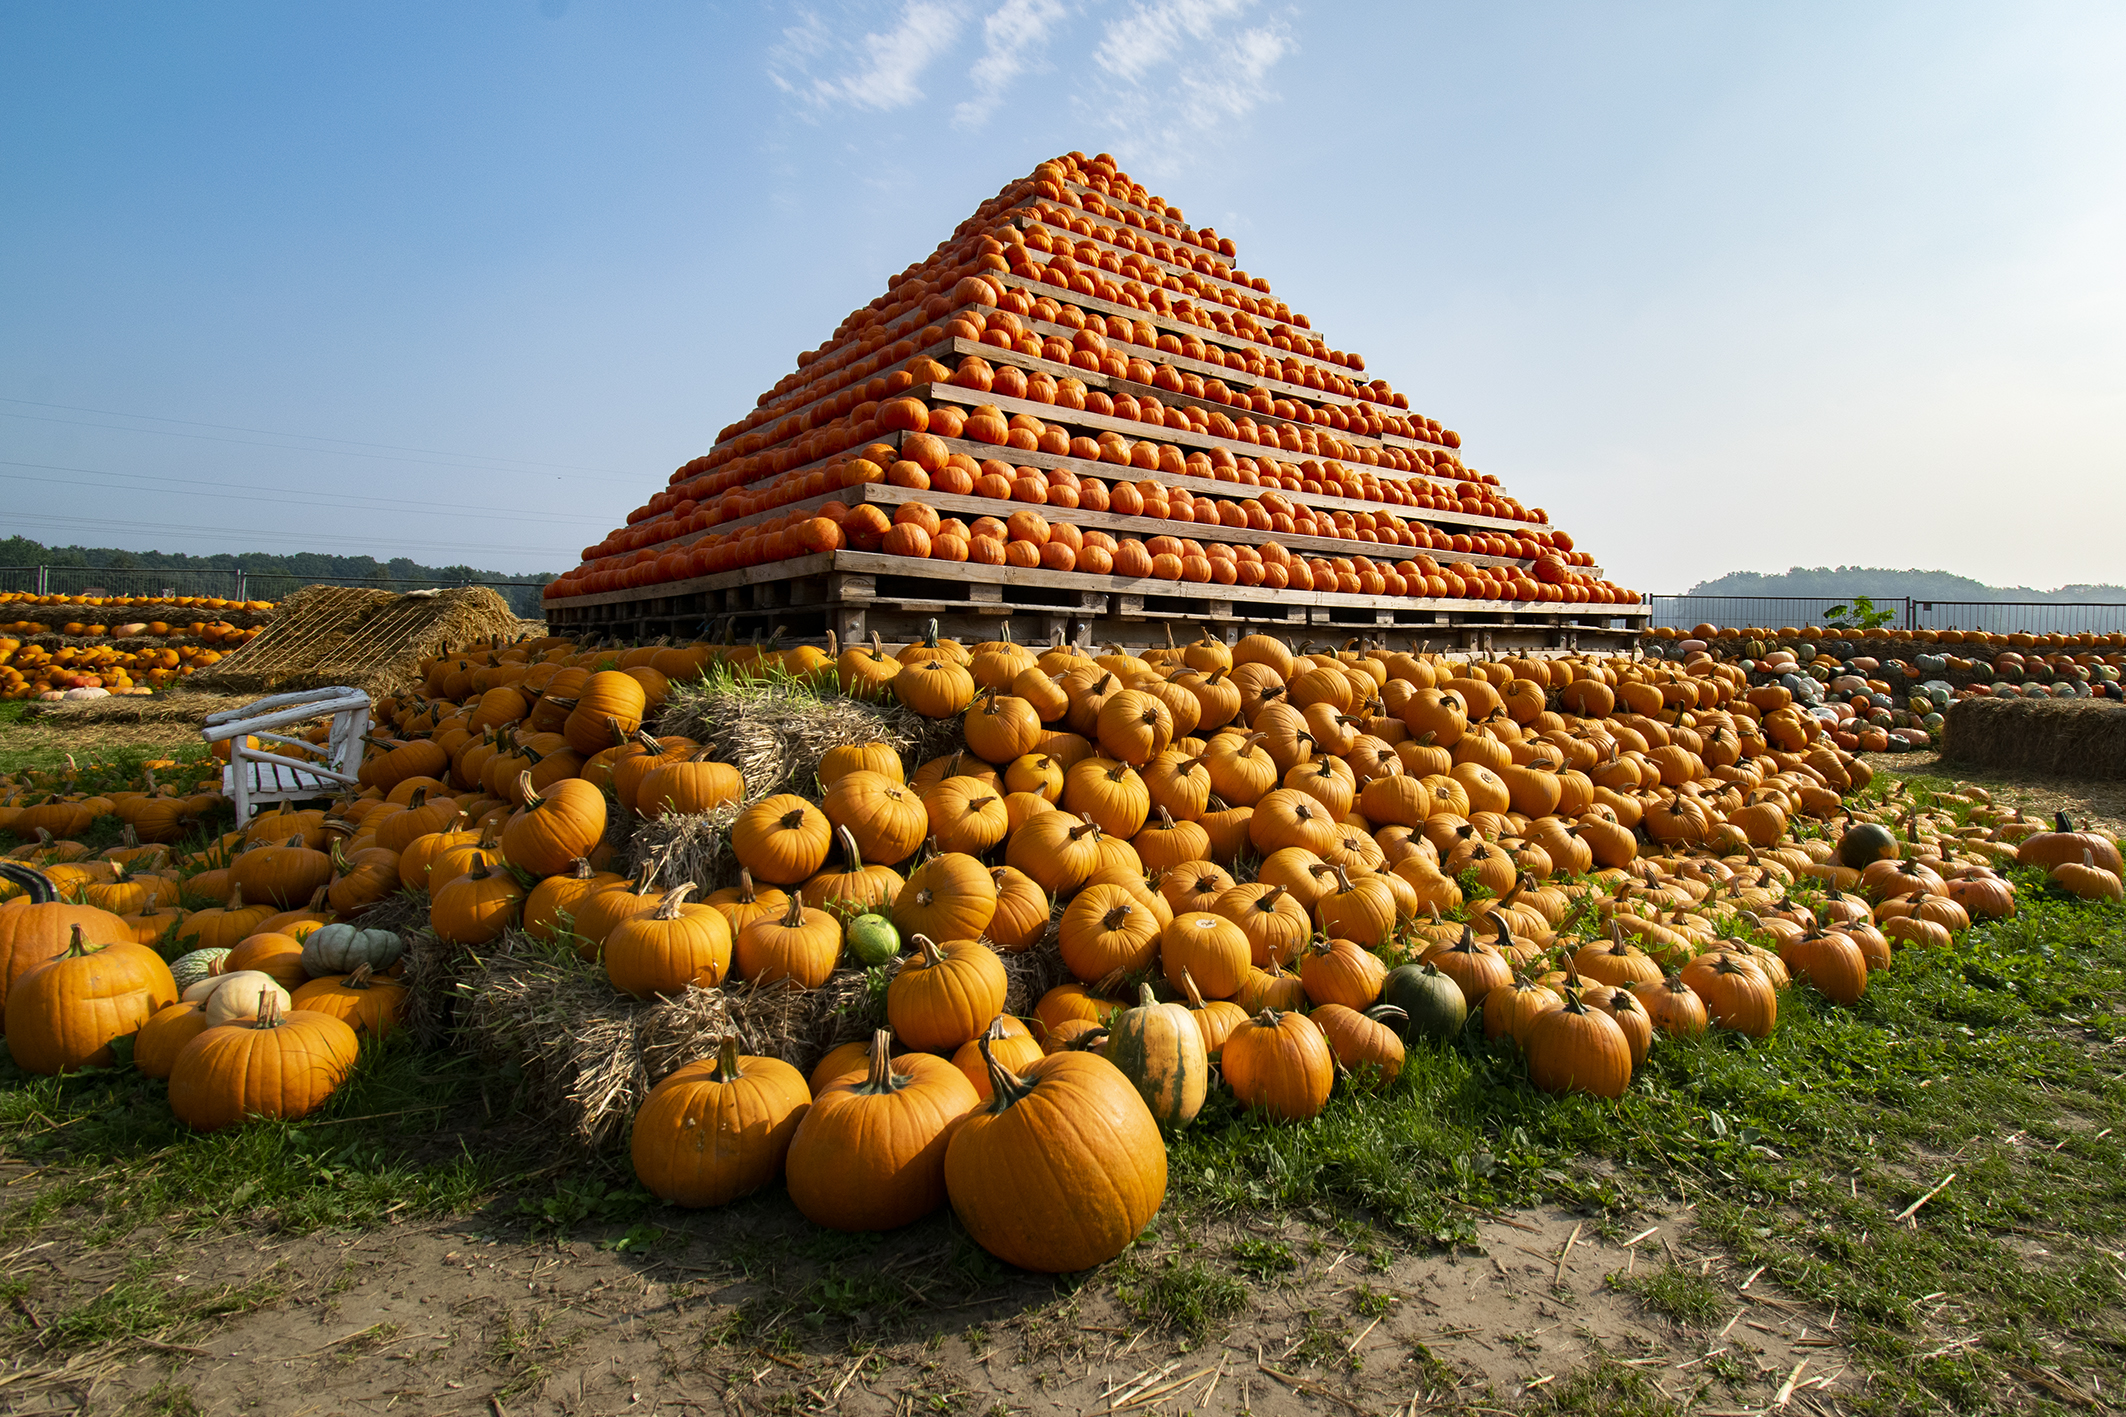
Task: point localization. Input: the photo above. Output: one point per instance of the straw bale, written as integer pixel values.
(369, 639)
(589, 1056)
(685, 847)
(2082, 738)
(1031, 973)
(775, 729)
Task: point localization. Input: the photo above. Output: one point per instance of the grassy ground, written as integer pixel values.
(1980, 1082)
(27, 743)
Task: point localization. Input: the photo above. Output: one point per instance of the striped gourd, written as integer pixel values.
(1160, 1050)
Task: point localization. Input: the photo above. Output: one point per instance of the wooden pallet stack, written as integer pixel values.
(1058, 355)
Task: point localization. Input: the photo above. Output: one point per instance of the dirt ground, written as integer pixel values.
(748, 1318)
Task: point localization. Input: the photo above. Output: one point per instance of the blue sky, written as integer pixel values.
(1722, 286)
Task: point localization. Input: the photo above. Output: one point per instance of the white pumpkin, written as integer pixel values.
(235, 997)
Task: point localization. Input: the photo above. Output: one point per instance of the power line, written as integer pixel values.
(383, 504)
(278, 447)
(224, 532)
(270, 433)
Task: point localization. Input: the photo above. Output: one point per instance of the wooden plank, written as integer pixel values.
(886, 494)
(878, 563)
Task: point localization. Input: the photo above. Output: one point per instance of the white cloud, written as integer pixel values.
(1179, 68)
(1012, 35)
(886, 67)
(1165, 74)
(1133, 46)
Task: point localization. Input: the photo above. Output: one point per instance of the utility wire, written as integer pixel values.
(224, 532)
(269, 433)
(248, 492)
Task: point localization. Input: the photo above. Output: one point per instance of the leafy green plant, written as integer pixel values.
(1862, 614)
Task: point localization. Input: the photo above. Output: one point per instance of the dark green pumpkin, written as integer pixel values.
(1433, 1002)
(1159, 1048)
(1864, 843)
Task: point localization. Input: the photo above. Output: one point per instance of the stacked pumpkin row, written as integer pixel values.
(886, 398)
(2019, 639)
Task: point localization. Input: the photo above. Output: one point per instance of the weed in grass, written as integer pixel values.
(1263, 1260)
(1186, 1297)
(848, 1296)
(574, 1202)
(142, 1305)
(1603, 1388)
(1679, 1295)
(165, 1399)
(1371, 1302)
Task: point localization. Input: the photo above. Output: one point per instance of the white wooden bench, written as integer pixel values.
(255, 777)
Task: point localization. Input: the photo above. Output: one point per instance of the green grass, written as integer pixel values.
(1676, 1294)
(24, 745)
(381, 1147)
(1183, 1295)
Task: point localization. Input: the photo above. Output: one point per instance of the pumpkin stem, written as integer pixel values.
(881, 1077)
(932, 958)
(1085, 1042)
(359, 979)
(727, 1065)
(668, 908)
(269, 1010)
(794, 917)
(532, 800)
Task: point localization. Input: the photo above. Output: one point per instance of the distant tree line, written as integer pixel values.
(272, 577)
(1880, 583)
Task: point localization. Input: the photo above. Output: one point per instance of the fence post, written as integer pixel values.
(240, 583)
(44, 583)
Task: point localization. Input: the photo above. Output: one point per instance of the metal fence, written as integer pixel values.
(2001, 617)
(237, 584)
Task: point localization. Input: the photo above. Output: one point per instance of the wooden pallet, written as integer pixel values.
(856, 593)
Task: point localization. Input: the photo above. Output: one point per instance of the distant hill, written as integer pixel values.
(1880, 581)
(76, 570)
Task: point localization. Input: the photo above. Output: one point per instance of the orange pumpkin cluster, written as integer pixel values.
(1305, 859)
(991, 370)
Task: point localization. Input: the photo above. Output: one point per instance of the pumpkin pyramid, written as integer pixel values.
(1079, 381)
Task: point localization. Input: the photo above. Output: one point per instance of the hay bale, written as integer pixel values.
(685, 847)
(2082, 738)
(369, 639)
(589, 1055)
(775, 730)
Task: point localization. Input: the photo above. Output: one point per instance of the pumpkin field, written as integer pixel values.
(919, 930)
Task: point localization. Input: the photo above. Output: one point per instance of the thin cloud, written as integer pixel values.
(1177, 69)
(1133, 46)
(887, 66)
(1013, 35)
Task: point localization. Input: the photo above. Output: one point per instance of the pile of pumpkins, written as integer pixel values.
(1875, 704)
(1263, 870)
(1287, 867)
(270, 1028)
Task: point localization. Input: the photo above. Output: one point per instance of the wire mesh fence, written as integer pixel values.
(234, 584)
(2000, 617)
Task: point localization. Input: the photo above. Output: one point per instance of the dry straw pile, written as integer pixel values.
(370, 639)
